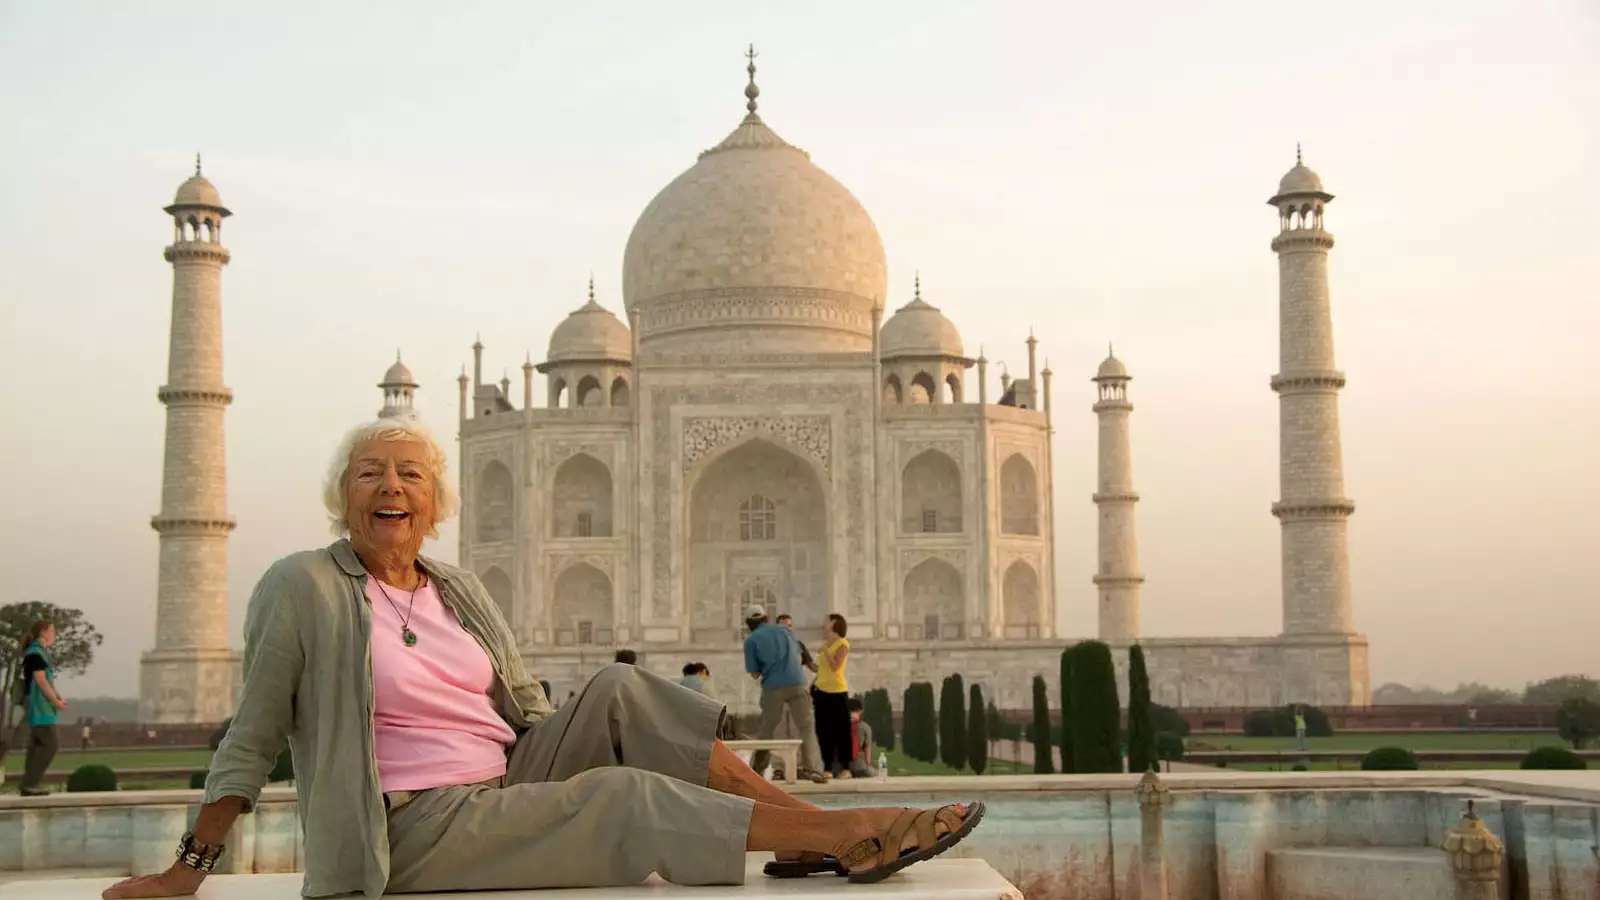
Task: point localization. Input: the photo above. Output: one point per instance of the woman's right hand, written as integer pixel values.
(177, 881)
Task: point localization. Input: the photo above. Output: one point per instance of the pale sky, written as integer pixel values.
(404, 177)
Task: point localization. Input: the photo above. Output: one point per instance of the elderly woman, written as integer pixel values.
(428, 759)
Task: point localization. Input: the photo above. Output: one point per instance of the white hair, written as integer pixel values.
(445, 500)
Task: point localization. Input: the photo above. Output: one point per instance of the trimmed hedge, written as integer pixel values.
(1279, 721)
(1389, 759)
(197, 780)
(1169, 720)
(1096, 719)
(1141, 719)
(920, 739)
(1169, 746)
(1553, 758)
(92, 777)
(1039, 729)
(876, 712)
(1068, 764)
(953, 723)
(977, 731)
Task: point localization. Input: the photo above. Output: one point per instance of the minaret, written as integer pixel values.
(192, 674)
(1313, 510)
(399, 391)
(1118, 577)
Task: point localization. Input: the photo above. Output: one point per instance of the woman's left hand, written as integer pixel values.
(177, 881)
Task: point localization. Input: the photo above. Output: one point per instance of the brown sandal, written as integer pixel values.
(889, 848)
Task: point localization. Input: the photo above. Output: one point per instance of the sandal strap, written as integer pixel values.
(859, 852)
(895, 839)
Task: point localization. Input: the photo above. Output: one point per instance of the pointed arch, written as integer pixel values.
(930, 494)
(580, 498)
(583, 611)
(588, 392)
(498, 584)
(558, 393)
(619, 391)
(922, 390)
(1019, 496)
(495, 502)
(892, 393)
(1019, 592)
(933, 600)
(952, 388)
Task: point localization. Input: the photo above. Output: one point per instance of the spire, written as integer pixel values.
(916, 290)
(751, 92)
(591, 290)
(197, 162)
(397, 354)
(1110, 351)
(1297, 160)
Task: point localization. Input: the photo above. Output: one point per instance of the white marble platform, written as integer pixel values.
(937, 879)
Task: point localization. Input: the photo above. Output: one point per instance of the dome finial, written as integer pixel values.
(397, 354)
(751, 92)
(1297, 160)
(1110, 350)
(916, 286)
(197, 162)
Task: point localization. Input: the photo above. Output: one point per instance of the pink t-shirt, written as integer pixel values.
(434, 723)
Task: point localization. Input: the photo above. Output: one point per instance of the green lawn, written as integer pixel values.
(1411, 740)
(67, 760)
(901, 764)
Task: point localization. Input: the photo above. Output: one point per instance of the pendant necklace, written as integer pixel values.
(406, 634)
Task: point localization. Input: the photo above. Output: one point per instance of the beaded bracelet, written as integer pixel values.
(199, 857)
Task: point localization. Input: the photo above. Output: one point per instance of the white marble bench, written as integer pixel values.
(937, 879)
(788, 749)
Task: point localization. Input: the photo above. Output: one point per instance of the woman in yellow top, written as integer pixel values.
(830, 696)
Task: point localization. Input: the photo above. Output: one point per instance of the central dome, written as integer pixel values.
(756, 245)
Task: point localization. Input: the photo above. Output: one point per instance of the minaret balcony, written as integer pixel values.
(197, 250)
(194, 396)
(1308, 382)
(192, 526)
(1301, 241)
(1115, 497)
(1327, 509)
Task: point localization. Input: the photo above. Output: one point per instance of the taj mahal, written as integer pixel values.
(764, 422)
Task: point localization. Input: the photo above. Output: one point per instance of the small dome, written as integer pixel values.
(1300, 180)
(398, 375)
(1112, 368)
(590, 332)
(197, 191)
(919, 329)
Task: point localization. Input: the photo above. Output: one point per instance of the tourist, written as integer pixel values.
(806, 661)
(860, 741)
(772, 657)
(1299, 727)
(41, 703)
(427, 757)
(696, 676)
(86, 736)
(830, 697)
(627, 657)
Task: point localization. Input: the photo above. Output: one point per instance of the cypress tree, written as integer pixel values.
(953, 723)
(920, 735)
(977, 731)
(1039, 729)
(1096, 719)
(884, 722)
(1068, 763)
(1141, 721)
(908, 721)
(930, 723)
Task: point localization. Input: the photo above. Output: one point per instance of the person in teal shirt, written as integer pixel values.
(42, 703)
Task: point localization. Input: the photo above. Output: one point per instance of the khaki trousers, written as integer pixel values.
(604, 792)
(796, 701)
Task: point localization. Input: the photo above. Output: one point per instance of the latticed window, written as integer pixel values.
(930, 627)
(930, 521)
(757, 594)
(585, 524)
(758, 519)
(585, 632)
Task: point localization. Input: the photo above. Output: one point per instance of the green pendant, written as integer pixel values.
(409, 636)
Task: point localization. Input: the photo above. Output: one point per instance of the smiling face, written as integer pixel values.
(389, 498)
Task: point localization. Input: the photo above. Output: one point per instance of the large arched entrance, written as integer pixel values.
(933, 601)
(582, 612)
(758, 534)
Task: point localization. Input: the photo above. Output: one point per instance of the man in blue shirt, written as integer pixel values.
(772, 657)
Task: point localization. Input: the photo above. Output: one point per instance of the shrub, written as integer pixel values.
(921, 735)
(92, 777)
(283, 769)
(977, 731)
(1039, 729)
(1389, 759)
(1578, 721)
(197, 780)
(1298, 767)
(1169, 720)
(1141, 721)
(1068, 764)
(877, 713)
(1279, 721)
(953, 723)
(1169, 746)
(1562, 688)
(1553, 758)
(1096, 720)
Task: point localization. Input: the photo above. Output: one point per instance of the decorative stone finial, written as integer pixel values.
(916, 287)
(751, 92)
(1475, 853)
(591, 289)
(477, 341)
(463, 377)
(1151, 791)
(1110, 350)
(1297, 154)
(528, 362)
(197, 162)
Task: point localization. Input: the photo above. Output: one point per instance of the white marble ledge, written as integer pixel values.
(938, 879)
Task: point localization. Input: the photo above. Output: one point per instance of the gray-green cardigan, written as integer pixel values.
(308, 678)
